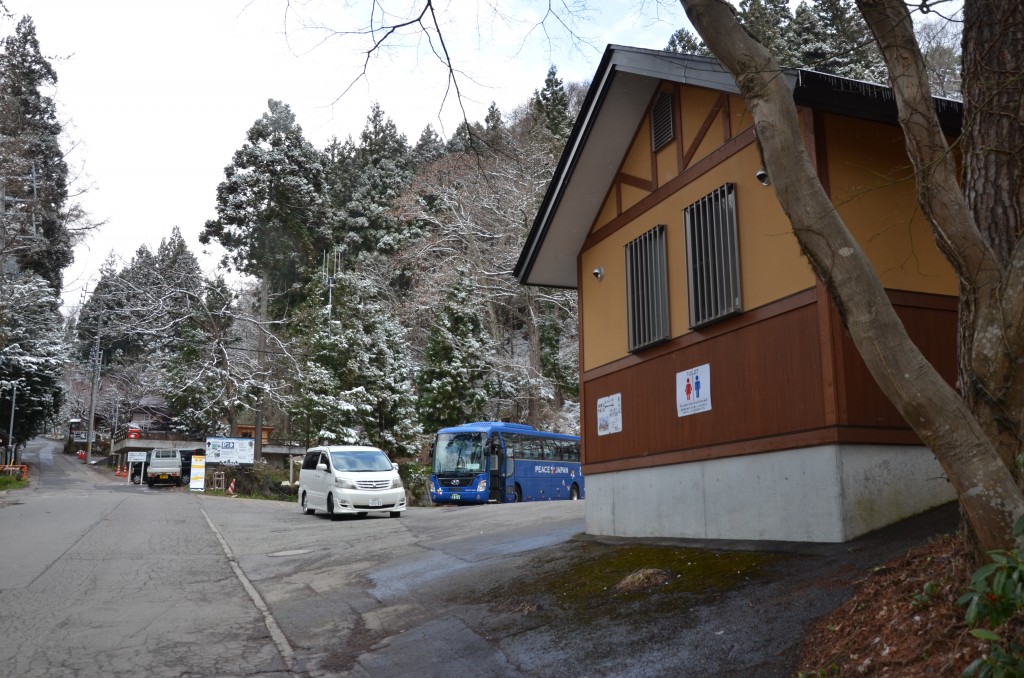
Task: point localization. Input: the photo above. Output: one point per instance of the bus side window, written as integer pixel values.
(550, 451)
(536, 449)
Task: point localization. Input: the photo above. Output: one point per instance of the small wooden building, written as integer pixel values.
(721, 396)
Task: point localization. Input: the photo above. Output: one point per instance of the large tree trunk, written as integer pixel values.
(992, 143)
(941, 418)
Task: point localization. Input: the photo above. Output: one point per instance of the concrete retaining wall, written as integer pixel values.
(830, 493)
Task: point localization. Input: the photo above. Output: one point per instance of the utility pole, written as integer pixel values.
(10, 431)
(97, 356)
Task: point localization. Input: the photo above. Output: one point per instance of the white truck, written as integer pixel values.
(164, 467)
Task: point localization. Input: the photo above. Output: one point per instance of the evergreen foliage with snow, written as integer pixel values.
(271, 215)
(34, 216)
(356, 384)
(368, 178)
(829, 36)
(426, 325)
(451, 385)
(32, 354)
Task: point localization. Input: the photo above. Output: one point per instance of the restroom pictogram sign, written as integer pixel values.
(693, 390)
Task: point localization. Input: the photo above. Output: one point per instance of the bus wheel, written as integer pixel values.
(574, 493)
(518, 494)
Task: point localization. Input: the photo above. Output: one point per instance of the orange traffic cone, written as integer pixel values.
(231, 487)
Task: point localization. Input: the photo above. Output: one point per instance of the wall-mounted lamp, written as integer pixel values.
(762, 176)
(598, 272)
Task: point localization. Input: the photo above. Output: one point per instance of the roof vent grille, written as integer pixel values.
(662, 129)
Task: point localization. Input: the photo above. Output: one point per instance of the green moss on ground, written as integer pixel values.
(605, 581)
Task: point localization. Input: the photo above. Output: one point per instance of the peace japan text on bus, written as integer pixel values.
(494, 461)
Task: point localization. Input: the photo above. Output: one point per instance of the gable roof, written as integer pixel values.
(619, 94)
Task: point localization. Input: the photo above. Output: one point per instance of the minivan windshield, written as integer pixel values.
(460, 453)
(360, 460)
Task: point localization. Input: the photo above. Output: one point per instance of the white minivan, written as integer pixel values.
(340, 479)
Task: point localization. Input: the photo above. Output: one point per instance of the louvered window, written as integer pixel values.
(712, 257)
(662, 126)
(647, 289)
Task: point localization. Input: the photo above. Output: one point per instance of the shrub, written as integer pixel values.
(995, 602)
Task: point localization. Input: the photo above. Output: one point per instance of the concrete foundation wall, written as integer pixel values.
(830, 493)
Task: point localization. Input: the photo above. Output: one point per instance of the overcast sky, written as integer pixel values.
(157, 96)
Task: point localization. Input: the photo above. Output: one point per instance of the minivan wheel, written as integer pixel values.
(307, 511)
(330, 506)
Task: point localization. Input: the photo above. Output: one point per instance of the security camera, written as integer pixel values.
(762, 176)
(598, 272)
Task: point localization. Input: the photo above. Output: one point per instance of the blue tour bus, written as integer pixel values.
(494, 461)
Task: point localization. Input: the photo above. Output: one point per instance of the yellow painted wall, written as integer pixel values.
(770, 263)
(638, 159)
(872, 188)
(608, 211)
(631, 195)
(695, 103)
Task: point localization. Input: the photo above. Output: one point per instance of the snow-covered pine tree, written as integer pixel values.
(551, 105)
(371, 178)
(356, 385)
(32, 354)
(769, 20)
(33, 172)
(270, 206)
(850, 50)
(428, 149)
(451, 384)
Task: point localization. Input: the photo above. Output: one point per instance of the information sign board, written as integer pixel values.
(231, 451)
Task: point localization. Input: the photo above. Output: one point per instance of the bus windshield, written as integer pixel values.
(460, 453)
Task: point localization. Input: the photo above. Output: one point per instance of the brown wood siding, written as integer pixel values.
(769, 389)
(931, 323)
(757, 372)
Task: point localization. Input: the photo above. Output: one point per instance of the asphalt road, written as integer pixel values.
(102, 578)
